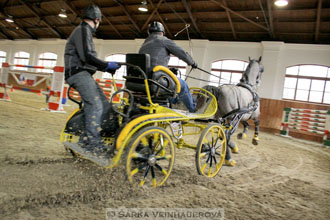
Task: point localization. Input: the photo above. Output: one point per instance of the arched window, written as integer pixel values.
(179, 64)
(121, 71)
(3, 56)
(21, 58)
(229, 71)
(309, 83)
(47, 59)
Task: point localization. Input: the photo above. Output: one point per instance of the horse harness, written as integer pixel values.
(239, 112)
(252, 106)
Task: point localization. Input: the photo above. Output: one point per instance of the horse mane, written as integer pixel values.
(213, 89)
(246, 74)
(245, 77)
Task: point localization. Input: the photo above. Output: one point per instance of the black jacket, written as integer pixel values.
(160, 47)
(80, 52)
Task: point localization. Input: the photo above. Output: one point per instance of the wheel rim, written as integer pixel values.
(211, 150)
(150, 158)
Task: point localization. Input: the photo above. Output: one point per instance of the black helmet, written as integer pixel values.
(92, 12)
(156, 26)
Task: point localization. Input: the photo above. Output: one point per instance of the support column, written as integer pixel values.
(271, 60)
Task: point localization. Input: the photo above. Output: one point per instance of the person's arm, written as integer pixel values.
(177, 51)
(84, 45)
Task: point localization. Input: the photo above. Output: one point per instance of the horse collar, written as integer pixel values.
(254, 94)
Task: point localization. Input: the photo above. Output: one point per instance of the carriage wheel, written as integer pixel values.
(211, 151)
(150, 157)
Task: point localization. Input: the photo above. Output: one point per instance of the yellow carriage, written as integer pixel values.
(149, 131)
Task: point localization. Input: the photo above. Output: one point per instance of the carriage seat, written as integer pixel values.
(157, 81)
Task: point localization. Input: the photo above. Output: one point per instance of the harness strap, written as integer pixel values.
(254, 95)
(237, 111)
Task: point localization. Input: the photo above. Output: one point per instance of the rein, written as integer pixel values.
(209, 73)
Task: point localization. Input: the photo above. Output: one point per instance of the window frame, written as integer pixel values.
(181, 76)
(122, 74)
(3, 57)
(46, 59)
(21, 58)
(219, 71)
(325, 79)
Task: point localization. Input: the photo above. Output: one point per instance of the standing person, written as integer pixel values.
(159, 48)
(80, 64)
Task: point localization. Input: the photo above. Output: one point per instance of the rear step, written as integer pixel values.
(88, 156)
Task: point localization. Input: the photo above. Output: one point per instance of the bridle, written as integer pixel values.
(245, 79)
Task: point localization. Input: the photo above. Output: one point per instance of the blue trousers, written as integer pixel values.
(185, 97)
(95, 103)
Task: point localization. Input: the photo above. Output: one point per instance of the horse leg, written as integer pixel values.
(255, 139)
(243, 135)
(233, 147)
(228, 160)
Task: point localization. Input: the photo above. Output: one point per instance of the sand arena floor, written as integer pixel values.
(278, 179)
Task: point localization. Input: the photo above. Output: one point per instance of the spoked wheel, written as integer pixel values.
(150, 157)
(211, 150)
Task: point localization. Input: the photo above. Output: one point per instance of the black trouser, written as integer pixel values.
(96, 106)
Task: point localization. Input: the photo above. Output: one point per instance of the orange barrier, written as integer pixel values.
(14, 79)
(106, 86)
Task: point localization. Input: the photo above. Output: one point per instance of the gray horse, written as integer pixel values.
(239, 99)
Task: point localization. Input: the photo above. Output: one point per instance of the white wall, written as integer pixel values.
(276, 56)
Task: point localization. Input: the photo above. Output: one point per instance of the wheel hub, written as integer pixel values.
(212, 151)
(152, 160)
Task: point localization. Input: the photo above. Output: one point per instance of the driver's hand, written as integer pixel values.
(112, 66)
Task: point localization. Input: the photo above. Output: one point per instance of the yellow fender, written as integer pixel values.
(70, 116)
(171, 74)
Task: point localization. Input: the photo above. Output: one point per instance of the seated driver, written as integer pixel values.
(159, 48)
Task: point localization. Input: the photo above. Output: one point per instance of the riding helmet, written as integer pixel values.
(156, 26)
(92, 12)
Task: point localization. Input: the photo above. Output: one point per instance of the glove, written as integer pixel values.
(174, 70)
(112, 66)
(194, 65)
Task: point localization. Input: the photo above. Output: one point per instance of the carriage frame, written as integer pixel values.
(148, 140)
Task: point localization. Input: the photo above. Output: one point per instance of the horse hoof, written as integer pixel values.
(234, 150)
(255, 142)
(241, 136)
(230, 163)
